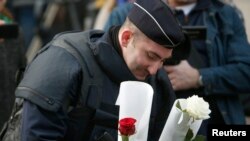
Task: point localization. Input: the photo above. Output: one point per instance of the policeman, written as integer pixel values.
(68, 99)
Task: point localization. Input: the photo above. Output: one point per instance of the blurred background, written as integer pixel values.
(39, 20)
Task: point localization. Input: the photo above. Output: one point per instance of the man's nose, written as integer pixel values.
(152, 69)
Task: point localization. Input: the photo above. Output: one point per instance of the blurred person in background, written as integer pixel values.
(12, 59)
(24, 13)
(5, 15)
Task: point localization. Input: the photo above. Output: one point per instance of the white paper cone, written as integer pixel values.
(135, 100)
(178, 123)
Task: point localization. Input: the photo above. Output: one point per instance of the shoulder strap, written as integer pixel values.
(79, 48)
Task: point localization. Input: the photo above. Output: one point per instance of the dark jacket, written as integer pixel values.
(53, 80)
(229, 61)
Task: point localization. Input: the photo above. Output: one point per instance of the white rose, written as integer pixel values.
(197, 108)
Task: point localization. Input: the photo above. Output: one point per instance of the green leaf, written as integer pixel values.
(189, 135)
(199, 138)
(178, 105)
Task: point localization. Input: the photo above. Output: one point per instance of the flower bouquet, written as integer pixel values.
(185, 119)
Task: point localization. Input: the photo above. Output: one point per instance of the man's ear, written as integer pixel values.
(126, 36)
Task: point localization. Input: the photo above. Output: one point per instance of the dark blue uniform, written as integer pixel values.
(52, 83)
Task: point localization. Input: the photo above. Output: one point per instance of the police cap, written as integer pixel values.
(157, 21)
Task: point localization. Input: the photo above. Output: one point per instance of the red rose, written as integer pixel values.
(127, 126)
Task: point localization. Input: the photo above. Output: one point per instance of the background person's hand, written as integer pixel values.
(183, 76)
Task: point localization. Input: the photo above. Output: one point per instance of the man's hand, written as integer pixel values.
(183, 76)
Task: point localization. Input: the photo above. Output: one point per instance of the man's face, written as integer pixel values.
(144, 57)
